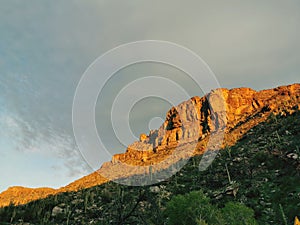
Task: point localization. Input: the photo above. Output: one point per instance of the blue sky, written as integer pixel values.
(45, 47)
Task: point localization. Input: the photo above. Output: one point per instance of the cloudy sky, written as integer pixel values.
(45, 47)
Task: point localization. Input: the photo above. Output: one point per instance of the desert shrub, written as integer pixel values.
(192, 208)
(196, 208)
(238, 214)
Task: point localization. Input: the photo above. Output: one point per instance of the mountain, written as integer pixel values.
(254, 181)
(215, 121)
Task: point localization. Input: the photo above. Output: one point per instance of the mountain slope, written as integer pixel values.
(189, 126)
(262, 171)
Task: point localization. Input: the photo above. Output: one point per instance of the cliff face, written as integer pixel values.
(221, 109)
(188, 129)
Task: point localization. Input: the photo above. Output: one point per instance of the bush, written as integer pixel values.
(195, 208)
(238, 214)
(192, 208)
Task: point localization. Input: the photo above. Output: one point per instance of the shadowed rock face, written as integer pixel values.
(188, 129)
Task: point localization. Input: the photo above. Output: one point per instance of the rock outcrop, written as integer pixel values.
(230, 113)
(213, 121)
(20, 195)
(221, 109)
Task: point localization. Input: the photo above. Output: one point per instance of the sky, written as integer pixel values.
(46, 46)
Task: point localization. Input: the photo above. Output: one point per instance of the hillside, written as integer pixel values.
(188, 130)
(261, 171)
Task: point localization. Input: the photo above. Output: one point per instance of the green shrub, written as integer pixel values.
(195, 208)
(238, 214)
(192, 208)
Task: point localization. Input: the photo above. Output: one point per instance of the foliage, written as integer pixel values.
(192, 208)
(195, 208)
(238, 214)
